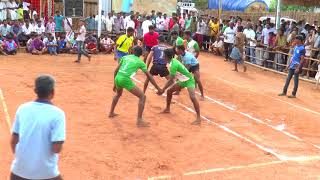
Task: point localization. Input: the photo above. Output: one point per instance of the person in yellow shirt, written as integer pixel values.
(20, 12)
(214, 29)
(123, 44)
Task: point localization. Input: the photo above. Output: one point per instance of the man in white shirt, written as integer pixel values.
(39, 28)
(130, 23)
(109, 22)
(251, 38)
(201, 31)
(12, 7)
(160, 22)
(229, 38)
(38, 135)
(265, 34)
(27, 28)
(145, 25)
(3, 11)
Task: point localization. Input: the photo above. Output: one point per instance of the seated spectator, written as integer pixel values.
(16, 30)
(63, 44)
(10, 46)
(24, 36)
(217, 47)
(5, 28)
(1, 47)
(107, 44)
(91, 44)
(37, 46)
(39, 28)
(52, 46)
(74, 46)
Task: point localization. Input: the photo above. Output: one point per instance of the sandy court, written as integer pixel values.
(248, 132)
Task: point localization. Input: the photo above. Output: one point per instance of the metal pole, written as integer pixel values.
(99, 17)
(278, 14)
(220, 12)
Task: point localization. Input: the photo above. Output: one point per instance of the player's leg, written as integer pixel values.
(198, 81)
(146, 83)
(195, 104)
(174, 88)
(142, 100)
(115, 102)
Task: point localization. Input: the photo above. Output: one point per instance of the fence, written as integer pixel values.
(254, 16)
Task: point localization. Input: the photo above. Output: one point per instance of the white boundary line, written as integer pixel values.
(286, 102)
(254, 165)
(5, 110)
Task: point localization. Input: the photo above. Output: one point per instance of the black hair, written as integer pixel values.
(44, 86)
(174, 33)
(187, 33)
(151, 27)
(181, 48)
(137, 51)
(161, 39)
(240, 28)
(169, 53)
(130, 29)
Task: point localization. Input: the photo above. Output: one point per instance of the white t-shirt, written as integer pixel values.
(218, 44)
(250, 34)
(130, 24)
(108, 23)
(67, 28)
(82, 34)
(145, 26)
(38, 124)
(160, 23)
(39, 30)
(265, 34)
(25, 6)
(26, 30)
(229, 35)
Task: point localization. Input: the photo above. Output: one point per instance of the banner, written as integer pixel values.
(145, 6)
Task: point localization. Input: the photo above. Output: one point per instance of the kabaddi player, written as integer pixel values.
(184, 80)
(192, 64)
(159, 66)
(126, 69)
(192, 45)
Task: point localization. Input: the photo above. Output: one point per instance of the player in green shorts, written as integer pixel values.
(126, 69)
(184, 80)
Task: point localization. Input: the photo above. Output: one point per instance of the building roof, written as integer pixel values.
(302, 2)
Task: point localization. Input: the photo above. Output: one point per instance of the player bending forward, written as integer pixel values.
(126, 69)
(184, 80)
(159, 66)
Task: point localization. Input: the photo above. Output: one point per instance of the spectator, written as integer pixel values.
(52, 46)
(176, 26)
(265, 34)
(182, 21)
(281, 46)
(37, 46)
(3, 11)
(10, 46)
(166, 23)
(217, 47)
(12, 7)
(214, 28)
(90, 21)
(201, 31)
(1, 47)
(58, 20)
(108, 23)
(118, 24)
(160, 22)
(36, 149)
(193, 26)
(130, 23)
(51, 27)
(309, 43)
(187, 23)
(20, 12)
(171, 21)
(237, 51)
(29, 42)
(295, 67)
(5, 28)
(106, 44)
(251, 39)
(91, 44)
(26, 29)
(270, 55)
(63, 45)
(229, 38)
(146, 24)
(39, 28)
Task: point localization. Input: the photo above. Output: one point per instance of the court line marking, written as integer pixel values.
(254, 165)
(259, 121)
(228, 130)
(5, 110)
(286, 102)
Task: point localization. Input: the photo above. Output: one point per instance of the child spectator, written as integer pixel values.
(106, 44)
(37, 46)
(29, 43)
(1, 47)
(237, 50)
(217, 47)
(91, 44)
(63, 44)
(50, 28)
(271, 46)
(10, 46)
(52, 46)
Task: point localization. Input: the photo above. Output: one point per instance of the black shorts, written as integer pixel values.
(148, 48)
(159, 69)
(195, 68)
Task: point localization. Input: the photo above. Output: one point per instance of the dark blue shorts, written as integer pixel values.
(120, 54)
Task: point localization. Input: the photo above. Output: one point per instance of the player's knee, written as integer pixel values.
(143, 97)
(192, 96)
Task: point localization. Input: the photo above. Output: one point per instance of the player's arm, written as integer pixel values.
(169, 83)
(14, 141)
(153, 82)
(300, 66)
(149, 58)
(197, 49)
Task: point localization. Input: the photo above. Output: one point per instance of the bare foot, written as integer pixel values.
(235, 70)
(141, 123)
(77, 61)
(89, 58)
(111, 115)
(244, 69)
(202, 98)
(166, 111)
(196, 122)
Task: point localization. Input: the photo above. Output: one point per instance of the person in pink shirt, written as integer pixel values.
(50, 28)
(182, 21)
(166, 22)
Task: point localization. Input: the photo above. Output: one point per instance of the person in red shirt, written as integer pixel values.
(150, 39)
(171, 22)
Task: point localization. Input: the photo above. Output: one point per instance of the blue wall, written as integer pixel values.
(234, 5)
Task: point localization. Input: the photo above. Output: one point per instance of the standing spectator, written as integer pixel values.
(281, 45)
(193, 26)
(130, 23)
(39, 28)
(175, 26)
(191, 45)
(118, 24)
(12, 6)
(67, 25)
(187, 23)
(265, 34)
(309, 43)
(3, 10)
(20, 12)
(214, 28)
(182, 21)
(108, 23)
(36, 149)
(153, 17)
(51, 27)
(166, 23)
(295, 67)
(5, 28)
(149, 40)
(201, 31)
(269, 54)
(90, 21)
(237, 51)
(146, 24)
(171, 21)
(229, 38)
(58, 20)
(160, 22)
(80, 42)
(250, 36)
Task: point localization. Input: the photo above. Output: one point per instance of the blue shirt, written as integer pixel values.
(38, 125)
(189, 59)
(126, 5)
(158, 54)
(296, 57)
(91, 23)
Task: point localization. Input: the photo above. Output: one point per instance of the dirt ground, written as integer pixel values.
(248, 132)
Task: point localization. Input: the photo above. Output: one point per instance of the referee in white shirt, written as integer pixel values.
(38, 135)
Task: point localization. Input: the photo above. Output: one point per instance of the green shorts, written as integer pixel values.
(187, 84)
(124, 82)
